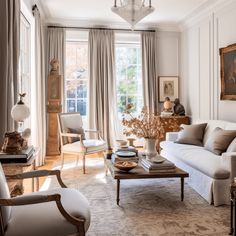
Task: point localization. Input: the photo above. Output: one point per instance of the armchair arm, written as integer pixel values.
(94, 131)
(73, 135)
(30, 199)
(35, 199)
(171, 136)
(38, 173)
(228, 161)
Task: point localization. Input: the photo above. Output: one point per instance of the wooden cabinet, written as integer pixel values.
(179, 119)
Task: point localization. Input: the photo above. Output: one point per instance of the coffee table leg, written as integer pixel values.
(118, 192)
(182, 188)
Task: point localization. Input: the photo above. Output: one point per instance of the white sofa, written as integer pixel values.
(209, 174)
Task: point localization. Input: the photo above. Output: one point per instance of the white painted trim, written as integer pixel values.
(203, 12)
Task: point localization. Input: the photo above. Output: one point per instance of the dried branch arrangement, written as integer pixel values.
(146, 125)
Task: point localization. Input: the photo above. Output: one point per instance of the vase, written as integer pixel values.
(150, 148)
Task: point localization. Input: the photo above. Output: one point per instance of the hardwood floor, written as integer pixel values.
(49, 163)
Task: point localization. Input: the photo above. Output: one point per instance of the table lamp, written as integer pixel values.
(20, 112)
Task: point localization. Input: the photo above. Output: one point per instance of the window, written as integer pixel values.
(128, 76)
(24, 82)
(76, 83)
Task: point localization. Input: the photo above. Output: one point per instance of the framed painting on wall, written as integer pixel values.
(168, 87)
(228, 72)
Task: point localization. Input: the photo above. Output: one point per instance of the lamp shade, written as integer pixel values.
(20, 112)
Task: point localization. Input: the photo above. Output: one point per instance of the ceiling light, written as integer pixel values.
(132, 11)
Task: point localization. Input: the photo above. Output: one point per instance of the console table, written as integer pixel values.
(16, 186)
(168, 119)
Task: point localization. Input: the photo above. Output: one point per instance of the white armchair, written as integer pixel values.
(62, 211)
(73, 139)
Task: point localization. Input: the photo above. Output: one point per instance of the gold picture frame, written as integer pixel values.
(168, 87)
(228, 72)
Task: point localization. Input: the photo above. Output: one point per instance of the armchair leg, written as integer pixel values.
(62, 160)
(77, 160)
(84, 163)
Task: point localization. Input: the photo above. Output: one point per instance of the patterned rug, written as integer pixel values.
(149, 207)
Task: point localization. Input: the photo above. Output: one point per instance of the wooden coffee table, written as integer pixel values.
(139, 173)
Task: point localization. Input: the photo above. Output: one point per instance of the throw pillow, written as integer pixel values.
(219, 140)
(232, 146)
(191, 134)
(75, 131)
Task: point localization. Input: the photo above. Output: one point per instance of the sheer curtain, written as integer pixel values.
(102, 84)
(9, 61)
(149, 70)
(39, 89)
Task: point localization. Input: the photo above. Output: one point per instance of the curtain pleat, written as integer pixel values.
(56, 49)
(9, 61)
(40, 78)
(102, 84)
(149, 70)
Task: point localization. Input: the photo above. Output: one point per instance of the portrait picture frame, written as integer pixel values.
(168, 87)
(228, 72)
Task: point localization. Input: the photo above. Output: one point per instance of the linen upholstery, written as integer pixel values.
(91, 145)
(198, 158)
(214, 190)
(75, 131)
(232, 146)
(4, 193)
(44, 219)
(219, 140)
(191, 134)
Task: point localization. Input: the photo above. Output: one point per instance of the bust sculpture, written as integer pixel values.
(178, 108)
(167, 106)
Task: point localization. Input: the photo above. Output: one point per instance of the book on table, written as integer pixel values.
(165, 166)
(21, 157)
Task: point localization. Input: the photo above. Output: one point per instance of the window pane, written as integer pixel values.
(76, 85)
(128, 75)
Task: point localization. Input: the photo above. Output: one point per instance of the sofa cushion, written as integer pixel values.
(219, 140)
(75, 131)
(191, 134)
(232, 146)
(197, 157)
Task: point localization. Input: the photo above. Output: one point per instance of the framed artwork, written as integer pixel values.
(168, 87)
(228, 72)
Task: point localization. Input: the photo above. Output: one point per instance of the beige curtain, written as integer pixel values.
(102, 89)
(40, 111)
(149, 70)
(9, 61)
(56, 49)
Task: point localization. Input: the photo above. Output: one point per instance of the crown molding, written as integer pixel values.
(204, 11)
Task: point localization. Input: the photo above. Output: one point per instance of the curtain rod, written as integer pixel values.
(88, 28)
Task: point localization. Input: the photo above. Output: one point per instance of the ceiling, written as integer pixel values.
(98, 12)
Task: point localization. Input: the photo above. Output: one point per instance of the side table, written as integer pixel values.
(233, 209)
(16, 186)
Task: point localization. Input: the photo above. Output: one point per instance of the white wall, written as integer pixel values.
(200, 63)
(168, 44)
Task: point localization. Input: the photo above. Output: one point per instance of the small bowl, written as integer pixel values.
(121, 142)
(125, 165)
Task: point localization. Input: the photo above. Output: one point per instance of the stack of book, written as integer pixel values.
(20, 157)
(152, 167)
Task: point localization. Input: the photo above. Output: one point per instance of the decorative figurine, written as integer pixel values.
(167, 105)
(178, 108)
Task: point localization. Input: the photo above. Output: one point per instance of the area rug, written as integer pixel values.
(149, 207)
